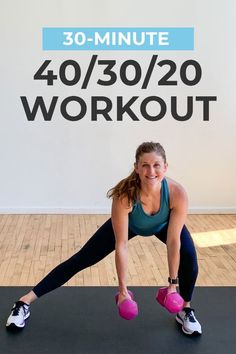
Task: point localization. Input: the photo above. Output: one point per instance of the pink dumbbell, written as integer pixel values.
(128, 309)
(173, 302)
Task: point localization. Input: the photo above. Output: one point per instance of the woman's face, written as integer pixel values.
(151, 168)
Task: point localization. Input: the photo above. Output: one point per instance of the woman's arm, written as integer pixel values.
(178, 214)
(120, 225)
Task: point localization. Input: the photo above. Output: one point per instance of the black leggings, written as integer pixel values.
(102, 243)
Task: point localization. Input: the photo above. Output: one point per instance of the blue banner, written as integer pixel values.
(118, 38)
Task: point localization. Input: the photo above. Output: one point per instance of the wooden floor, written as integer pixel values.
(31, 245)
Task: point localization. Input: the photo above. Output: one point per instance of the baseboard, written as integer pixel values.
(104, 210)
(55, 210)
(212, 210)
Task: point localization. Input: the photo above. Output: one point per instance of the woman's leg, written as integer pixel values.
(97, 247)
(188, 268)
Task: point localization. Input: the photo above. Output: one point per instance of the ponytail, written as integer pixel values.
(128, 187)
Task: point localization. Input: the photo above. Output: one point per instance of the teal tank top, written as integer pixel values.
(144, 224)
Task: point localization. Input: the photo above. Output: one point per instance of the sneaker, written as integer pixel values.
(19, 313)
(187, 319)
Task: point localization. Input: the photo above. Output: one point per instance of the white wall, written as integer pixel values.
(63, 166)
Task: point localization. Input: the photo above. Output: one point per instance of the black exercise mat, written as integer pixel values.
(85, 320)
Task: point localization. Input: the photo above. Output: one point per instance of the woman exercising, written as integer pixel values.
(145, 203)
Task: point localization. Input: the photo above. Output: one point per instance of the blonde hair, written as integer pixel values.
(130, 186)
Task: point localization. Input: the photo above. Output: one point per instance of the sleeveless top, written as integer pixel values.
(144, 224)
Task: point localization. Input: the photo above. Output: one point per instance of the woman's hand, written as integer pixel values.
(171, 289)
(123, 296)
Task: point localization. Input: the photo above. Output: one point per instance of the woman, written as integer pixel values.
(145, 203)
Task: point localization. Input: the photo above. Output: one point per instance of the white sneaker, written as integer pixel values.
(19, 313)
(190, 324)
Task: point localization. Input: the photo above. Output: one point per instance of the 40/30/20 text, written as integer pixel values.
(130, 72)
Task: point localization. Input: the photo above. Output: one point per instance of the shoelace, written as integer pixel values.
(16, 309)
(189, 315)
